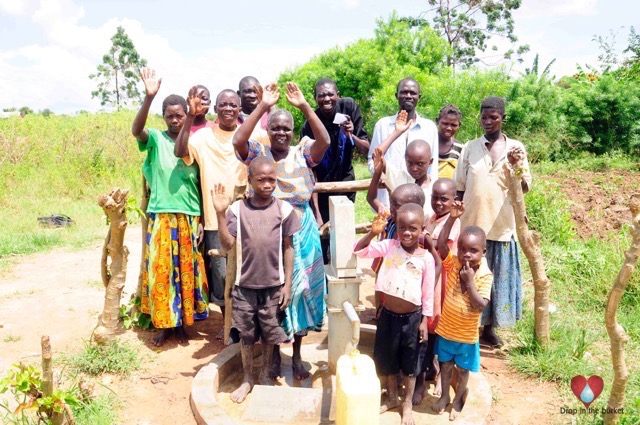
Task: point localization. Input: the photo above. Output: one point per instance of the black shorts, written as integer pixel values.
(427, 355)
(256, 315)
(397, 347)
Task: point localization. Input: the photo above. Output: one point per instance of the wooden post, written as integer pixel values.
(113, 275)
(530, 244)
(47, 383)
(616, 332)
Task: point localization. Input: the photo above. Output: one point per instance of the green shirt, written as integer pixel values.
(173, 184)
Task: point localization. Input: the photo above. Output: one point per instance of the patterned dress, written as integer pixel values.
(295, 184)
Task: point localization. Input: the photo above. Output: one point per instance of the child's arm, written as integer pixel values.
(267, 99)
(221, 203)
(151, 87)
(467, 274)
(377, 227)
(427, 242)
(402, 124)
(285, 294)
(428, 283)
(194, 100)
(379, 166)
(457, 209)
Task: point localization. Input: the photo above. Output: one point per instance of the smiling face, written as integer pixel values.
(280, 130)
(448, 126)
(174, 116)
(443, 194)
(327, 98)
(248, 95)
(263, 181)
(491, 120)
(409, 227)
(408, 94)
(471, 248)
(228, 109)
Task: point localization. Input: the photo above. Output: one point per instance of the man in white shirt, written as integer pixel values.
(408, 94)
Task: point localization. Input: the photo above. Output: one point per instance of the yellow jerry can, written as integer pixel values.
(358, 396)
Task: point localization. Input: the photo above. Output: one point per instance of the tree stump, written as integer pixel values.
(616, 332)
(114, 274)
(530, 244)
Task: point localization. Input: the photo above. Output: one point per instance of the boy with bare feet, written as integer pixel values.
(406, 278)
(263, 227)
(467, 293)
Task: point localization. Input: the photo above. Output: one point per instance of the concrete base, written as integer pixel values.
(311, 401)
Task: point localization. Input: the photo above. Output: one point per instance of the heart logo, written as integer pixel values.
(587, 390)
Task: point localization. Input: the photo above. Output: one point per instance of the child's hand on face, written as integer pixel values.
(379, 222)
(379, 163)
(457, 209)
(403, 123)
(466, 276)
(515, 155)
(220, 199)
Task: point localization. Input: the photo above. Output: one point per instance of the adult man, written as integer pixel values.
(336, 164)
(408, 95)
(249, 100)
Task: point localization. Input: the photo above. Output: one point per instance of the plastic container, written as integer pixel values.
(358, 396)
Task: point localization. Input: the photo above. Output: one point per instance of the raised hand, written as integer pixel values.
(457, 209)
(403, 123)
(516, 155)
(379, 163)
(196, 106)
(294, 95)
(151, 82)
(379, 222)
(269, 95)
(220, 198)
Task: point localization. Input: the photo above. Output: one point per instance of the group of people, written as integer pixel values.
(446, 258)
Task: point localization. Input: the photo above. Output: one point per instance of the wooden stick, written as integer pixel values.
(339, 187)
(530, 244)
(325, 230)
(616, 332)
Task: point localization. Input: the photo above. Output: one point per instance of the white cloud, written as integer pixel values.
(549, 8)
(55, 74)
(352, 4)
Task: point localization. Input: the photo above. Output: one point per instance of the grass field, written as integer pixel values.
(61, 165)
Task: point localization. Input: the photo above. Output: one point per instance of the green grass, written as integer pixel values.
(582, 274)
(102, 410)
(120, 358)
(364, 213)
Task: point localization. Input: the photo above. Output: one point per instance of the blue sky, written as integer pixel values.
(49, 47)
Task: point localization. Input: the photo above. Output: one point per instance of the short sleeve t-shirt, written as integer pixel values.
(173, 184)
(259, 233)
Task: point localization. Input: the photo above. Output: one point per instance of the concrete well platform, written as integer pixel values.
(311, 401)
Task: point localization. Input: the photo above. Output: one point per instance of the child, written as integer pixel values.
(448, 121)
(407, 279)
(263, 227)
(467, 293)
(442, 198)
(417, 160)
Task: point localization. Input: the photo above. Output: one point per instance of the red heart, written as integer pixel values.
(578, 383)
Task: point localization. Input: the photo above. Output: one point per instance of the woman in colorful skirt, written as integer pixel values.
(174, 283)
(295, 185)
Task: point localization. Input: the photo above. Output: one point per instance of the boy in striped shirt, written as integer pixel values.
(467, 293)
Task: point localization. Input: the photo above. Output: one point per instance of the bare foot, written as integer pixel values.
(441, 404)
(407, 414)
(182, 335)
(220, 334)
(162, 337)
(437, 391)
(299, 372)
(419, 391)
(457, 405)
(241, 392)
(389, 403)
(276, 370)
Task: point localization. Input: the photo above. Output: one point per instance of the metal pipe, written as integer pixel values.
(353, 317)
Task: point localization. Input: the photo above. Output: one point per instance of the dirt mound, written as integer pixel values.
(598, 200)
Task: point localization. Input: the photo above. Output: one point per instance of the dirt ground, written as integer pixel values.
(599, 201)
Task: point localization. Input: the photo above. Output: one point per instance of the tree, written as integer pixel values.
(25, 110)
(468, 25)
(46, 113)
(117, 76)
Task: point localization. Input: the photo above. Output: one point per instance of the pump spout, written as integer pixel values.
(352, 315)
